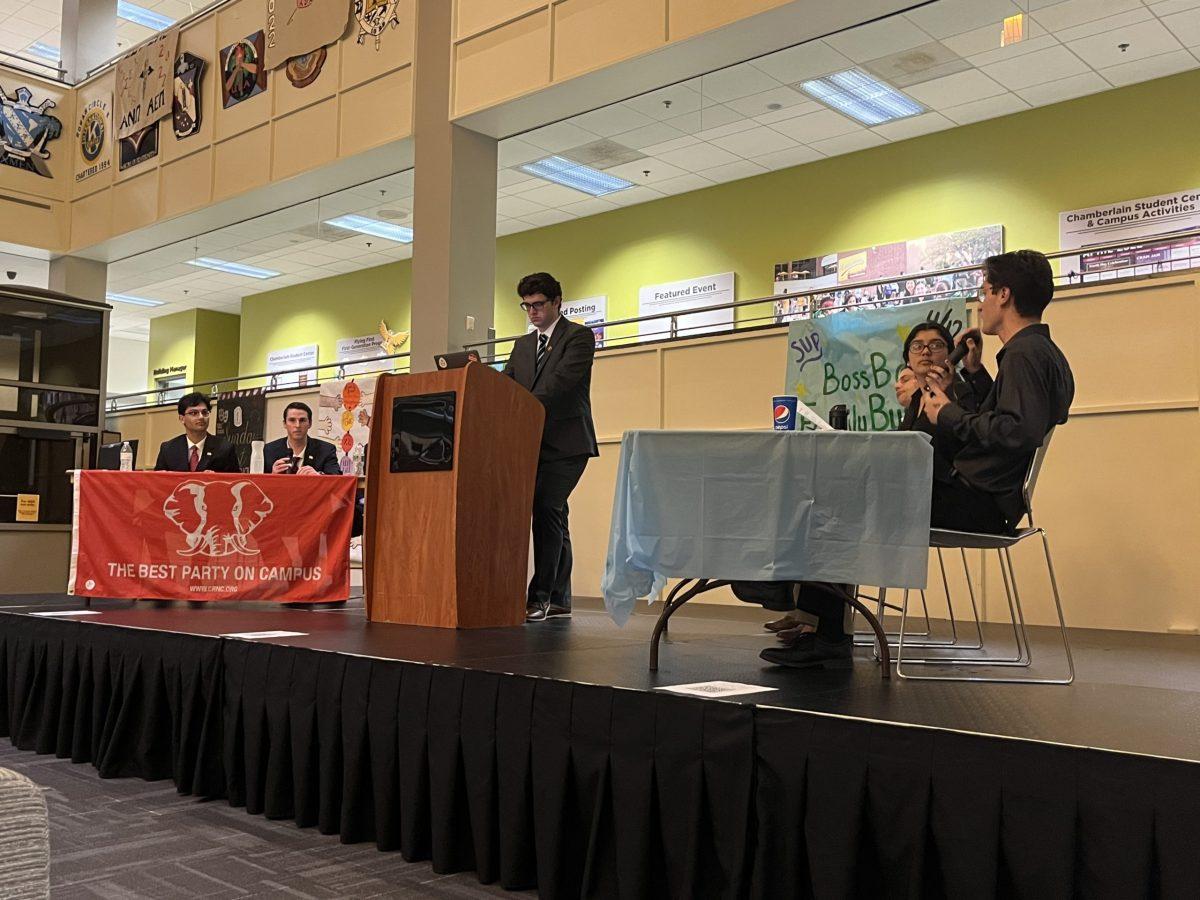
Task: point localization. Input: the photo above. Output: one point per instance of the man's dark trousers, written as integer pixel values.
(551, 582)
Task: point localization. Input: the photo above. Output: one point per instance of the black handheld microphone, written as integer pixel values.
(959, 353)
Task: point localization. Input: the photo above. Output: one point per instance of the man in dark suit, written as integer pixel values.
(196, 450)
(314, 457)
(554, 362)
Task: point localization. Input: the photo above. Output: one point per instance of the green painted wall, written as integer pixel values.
(217, 340)
(172, 343)
(1018, 171)
(322, 312)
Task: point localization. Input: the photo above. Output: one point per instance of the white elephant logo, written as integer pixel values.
(217, 517)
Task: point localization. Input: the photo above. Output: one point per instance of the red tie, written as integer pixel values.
(194, 458)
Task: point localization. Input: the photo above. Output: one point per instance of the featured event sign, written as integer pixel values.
(677, 297)
(145, 82)
(242, 417)
(1131, 220)
(841, 271)
(184, 536)
(298, 27)
(855, 356)
(344, 419)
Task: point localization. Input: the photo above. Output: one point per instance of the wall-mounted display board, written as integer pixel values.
(1131, 220)
(677, 297)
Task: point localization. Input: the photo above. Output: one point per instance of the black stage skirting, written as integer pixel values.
(598, 791)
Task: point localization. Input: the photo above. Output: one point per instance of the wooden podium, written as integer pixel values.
(450, 548)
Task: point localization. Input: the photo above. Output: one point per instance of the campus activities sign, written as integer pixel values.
(207, 536)
(853, 357)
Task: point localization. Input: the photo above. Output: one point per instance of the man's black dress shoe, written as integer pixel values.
(536, 612)
(809, 650)
(557, 610)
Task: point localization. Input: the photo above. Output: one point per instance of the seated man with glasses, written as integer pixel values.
(985, 444)
(925, 353)
(196, 450)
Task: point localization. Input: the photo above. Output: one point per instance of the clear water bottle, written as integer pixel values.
(126, 457)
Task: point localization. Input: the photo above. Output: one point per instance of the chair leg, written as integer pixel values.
(1062, 622)
(974, 607)
(1024, 649)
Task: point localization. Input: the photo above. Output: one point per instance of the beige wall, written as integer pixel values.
(506, 48)
(362, 99)
(1119, 493)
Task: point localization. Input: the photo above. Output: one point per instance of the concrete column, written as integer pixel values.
(88, 35)
(454, 205)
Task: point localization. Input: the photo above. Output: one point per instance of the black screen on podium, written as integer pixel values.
(423, 433)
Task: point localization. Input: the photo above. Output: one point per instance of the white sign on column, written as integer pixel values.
(293, 358)
(677, 297)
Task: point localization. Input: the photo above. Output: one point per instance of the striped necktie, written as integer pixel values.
(543, 346)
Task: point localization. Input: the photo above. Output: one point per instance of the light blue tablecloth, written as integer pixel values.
(836, 506)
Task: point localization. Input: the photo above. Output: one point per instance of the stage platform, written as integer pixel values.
(548, 754)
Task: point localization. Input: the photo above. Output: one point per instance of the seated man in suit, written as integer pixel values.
(196, 450)
(554, 363)
(298, 453)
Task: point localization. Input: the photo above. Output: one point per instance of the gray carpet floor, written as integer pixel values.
(126, 838)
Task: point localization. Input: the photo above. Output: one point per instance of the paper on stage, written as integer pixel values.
(68, 612)
(716, 689)
(259, 635)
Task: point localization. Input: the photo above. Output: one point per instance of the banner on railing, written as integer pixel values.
(855, 356)
(841, 271)
(205, 536)
(145, 78)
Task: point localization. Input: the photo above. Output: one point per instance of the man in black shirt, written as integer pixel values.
(980, 490)
(1032, 392)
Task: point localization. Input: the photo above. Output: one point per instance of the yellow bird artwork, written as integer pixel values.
(391, 341)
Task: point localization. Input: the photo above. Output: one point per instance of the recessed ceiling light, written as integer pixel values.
(858, 95)
(220, 265)
(577, 176)
(139, 15)
(401, 234)
(136, 301)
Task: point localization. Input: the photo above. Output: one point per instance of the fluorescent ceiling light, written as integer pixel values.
(401, 234)
(43, 51)
(575, 175)
(136, 301)
(206, 262)
(862, 97)
(139, 15)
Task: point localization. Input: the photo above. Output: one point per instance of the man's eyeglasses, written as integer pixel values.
(931, 346)
(196, 413)
(535, 305)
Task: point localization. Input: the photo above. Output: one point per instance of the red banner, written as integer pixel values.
(206, 536)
